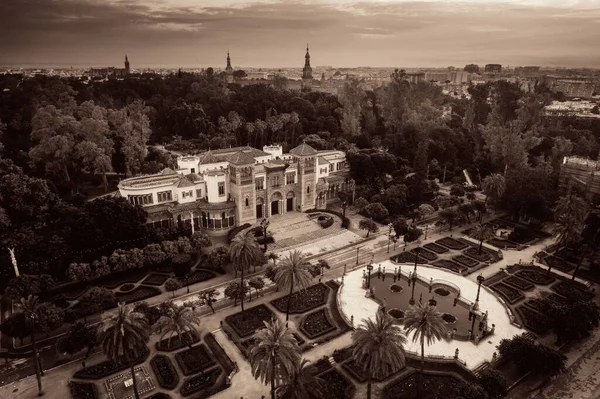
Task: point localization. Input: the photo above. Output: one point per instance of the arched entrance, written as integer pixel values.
(260, 206)
(290, 202)
(276, 200)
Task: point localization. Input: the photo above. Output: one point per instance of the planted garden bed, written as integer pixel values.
(341, 355)
(130, 276)
(83, 390)
(540, 277)
(322, 365)
(449, 319)
(317, 324)
(407, 257)
(155, 279)
(200, 382)
(423, 253)
(535, 321)
(396, 313)
(246, 323)
(107, 367)
(194, 360)
(557, 299)
(451, 243)
(474, 253)
(502, 244)
(509, 293)
(570, 290)
(536, 304)
(198, 276)
(305, 300)
(219, 353)
(450, 265)
(396, 288)
(559, 264)
(361, 375)
(337, 386)
(126, 287)
(438, 249)
(434, 387)
(138, 294)
(74, 293)
(165, 372)
(176, 342)
(465, 261)
(519, 283)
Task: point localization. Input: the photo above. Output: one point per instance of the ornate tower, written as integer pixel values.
(126, 65)
(306, 157)
(241, 186)
(307, 72)
(228, 70)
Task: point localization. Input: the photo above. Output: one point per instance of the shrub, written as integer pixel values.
(233, 232)
(326, 222)
(376, 211)
(493, 383)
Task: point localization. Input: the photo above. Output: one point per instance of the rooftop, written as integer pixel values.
(303, 150)
(151, 180)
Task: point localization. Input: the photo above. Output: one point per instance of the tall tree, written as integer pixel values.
(181, 321)
(570, 213)
(351, 97)
(494, 187)
(426, 325)
(274, 354)
(244, 252)
(78, 338)
(30, 308)
(302, 383)
(482, 232)
(292, 270)
(124, 336)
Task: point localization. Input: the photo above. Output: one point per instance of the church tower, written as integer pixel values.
(307, 72)
(126, 65)
(228, 70)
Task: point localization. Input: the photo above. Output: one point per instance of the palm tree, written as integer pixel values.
(427, 325)
(494, 186)
(243, 252)
(449, 216)
(179, 320)
(481, 233)
(570, 213)
(29, 306)
(302, 383)
(379, 347)
(274, 354)
(293, 269)
(125, 336)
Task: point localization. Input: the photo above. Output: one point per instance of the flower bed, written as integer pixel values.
(522, 236)
(569, 290)
(322, 365)
(396, 313)
(438, 249)
(317, 324)
(451, 243)
(246, 323)
(299, 340)
(559, 264)
(557, 299)
(126, 287)
(198, 276)
(219, 353)
(165, 372)
(536, 276)
(176, 342)
(74, 293)
(138, 294)
(200, 382)
(194, 360)
(509, 293)
(155, 279)
(337, 386)
(83, 390)
(325, 221)
(519, 283)
(484, 256)
(536, 304)
(449, 319)
(434, 387)
(340, 355)
(407, 257)
(450, 265)
(502, 244)
(533, 320)
(130, 276)
(465, 261)
(107, 367)
(441, 291)
(395, 288)
(360, 374)
(303, 301)
(423, 253)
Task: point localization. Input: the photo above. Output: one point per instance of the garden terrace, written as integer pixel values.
(155, 279)
(450, 265)
(83, 390)
(337, 386)
(465, 261)
(451, 243)
(430, 256)
(138, 294)
(407, 257)
(246, 323)
(533, 320)
(304, 300)
(165, 372)
(194, 360)
(106, 368)
(474, 253)
(518, 283)
(434, 387)
(176, 343)
(317, 324)
(202, 382)
(536, 276)
(438, 249)
(509, 293)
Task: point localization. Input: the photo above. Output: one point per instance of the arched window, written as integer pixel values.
(223, 215)
(308, 189)
(247, 202)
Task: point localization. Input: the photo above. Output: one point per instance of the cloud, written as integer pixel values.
(273, 33)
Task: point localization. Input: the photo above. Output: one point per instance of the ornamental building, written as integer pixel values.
(220, 189)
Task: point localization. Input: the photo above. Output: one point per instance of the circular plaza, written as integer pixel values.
(475, 329)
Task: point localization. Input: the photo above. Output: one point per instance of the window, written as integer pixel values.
(164, 196)
(331, 167)
(187, 194)
(308, 189)
(193, 170)
(198, 193)
(259, 183)
(247, 201)
(145, 199)
(276, 182)
(290, 178)
(221, 189)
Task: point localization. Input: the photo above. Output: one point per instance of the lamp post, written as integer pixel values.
(426, 230)
(480, 280)
(344, 204)
(473, 325)
(414, 277)
(357, 256)
(369, 269)
(264, 224)
(390, 226)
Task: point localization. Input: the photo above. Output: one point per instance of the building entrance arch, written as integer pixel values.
(260, 208)
(290, 200)
(276, 201)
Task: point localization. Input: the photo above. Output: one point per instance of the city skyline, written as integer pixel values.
(270, 34)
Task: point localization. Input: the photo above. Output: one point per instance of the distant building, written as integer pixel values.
(460, 77)
(111, 72)
(307, 72)
(437, 76)
(527, 70)
(228, 70)
(573, 88)
(581, 174)
(471, 68)
(415, 77)
(493, 68)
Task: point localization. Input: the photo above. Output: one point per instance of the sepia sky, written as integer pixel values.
(271, 33)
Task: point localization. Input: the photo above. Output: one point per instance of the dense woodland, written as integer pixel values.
(64, 140)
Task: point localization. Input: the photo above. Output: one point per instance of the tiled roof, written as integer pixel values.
(323, 161)
(241, 158)
(208, 158)
(253, 152)
(303, 150)
(184, 182)
(167, 171)
(194, 177)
